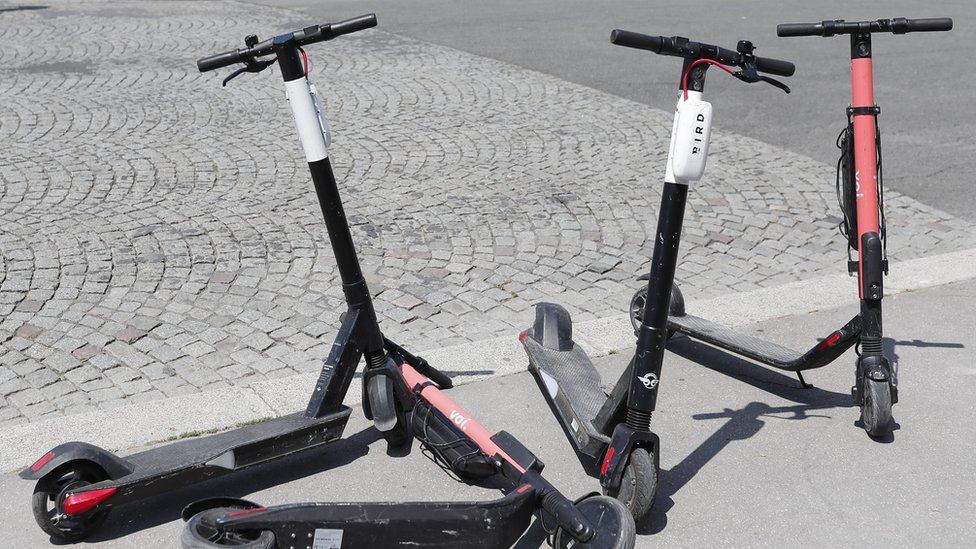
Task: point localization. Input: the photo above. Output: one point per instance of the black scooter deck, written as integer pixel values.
(766, 352)
(570, 383)
(494, 524)
(739, 343)
(183, 462)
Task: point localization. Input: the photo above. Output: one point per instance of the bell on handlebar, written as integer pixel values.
(745, 47)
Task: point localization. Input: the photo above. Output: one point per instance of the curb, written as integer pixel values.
(145, 423)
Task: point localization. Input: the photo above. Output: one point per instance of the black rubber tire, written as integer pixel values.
(49, 490)
(639, 483)
(636, 309)
(876, 407)
(614, 526)
(200, 533)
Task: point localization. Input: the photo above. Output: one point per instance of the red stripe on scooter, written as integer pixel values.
(830, 341)
(42, 461)
(522, 335)
(245, 512)
(460, 417)
(606, 461)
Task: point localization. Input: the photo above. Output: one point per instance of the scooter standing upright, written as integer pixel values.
(860, 189)
(612, 433)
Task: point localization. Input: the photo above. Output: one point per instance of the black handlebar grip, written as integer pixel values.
(933, 24)
(775, 66)
(637, 40)
(799, 29)
(355, 24)
(220, 60)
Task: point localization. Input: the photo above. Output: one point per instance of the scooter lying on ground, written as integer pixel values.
(459, 443)
(860, 190)
(79, 484)
(612, 433)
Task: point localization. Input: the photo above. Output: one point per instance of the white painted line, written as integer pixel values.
(143, 423)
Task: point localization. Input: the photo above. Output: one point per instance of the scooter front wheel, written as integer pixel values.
(201, 532)
(876, 407)
(47, 502)
(639, 483)
(612, 523)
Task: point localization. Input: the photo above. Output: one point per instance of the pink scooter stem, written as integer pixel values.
(865, 156)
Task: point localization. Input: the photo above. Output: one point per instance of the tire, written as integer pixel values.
(876, 407)
(200, 532)
(48, 499)
(614, 526)
(639, 483)
(676, 307)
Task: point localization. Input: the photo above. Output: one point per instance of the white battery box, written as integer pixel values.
(692, 129)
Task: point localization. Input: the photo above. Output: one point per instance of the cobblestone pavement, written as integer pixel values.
(159, 234)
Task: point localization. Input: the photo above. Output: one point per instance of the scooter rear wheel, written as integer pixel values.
(876, 407)
(201, 532)
(47, 502)
(639, 483)
(613, 525)
(637, 302)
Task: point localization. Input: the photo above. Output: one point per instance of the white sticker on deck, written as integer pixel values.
(327, 539)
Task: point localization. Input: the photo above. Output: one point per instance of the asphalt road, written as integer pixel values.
(748, 458)
(923, 81)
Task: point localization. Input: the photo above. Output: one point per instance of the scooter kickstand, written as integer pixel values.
(803, 383)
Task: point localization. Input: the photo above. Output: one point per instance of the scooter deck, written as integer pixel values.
(765, 352)
(748, 346)
(571, 385)
(493, 524)
(159, 470)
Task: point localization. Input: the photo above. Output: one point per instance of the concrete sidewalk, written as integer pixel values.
(749, 459)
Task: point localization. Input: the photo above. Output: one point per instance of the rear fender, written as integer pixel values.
(114, 466)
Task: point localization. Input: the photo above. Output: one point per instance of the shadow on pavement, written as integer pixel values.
(741, 425)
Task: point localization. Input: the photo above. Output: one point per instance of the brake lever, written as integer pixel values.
(750, 75)
(251, 65)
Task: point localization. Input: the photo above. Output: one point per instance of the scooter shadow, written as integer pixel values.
(165, 508)
(741, 424)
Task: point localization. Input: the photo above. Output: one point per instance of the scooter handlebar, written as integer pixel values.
(355, 24)
(897, 25)
(775, 66)
(637, 40)
(219, 60)
(682, 47)
(930, 24)
(304, 37)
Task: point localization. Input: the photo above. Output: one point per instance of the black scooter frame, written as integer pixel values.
(187, 462)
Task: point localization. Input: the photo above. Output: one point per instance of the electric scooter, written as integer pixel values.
(458, 443)
(78, 484)
(612, 433)
(860, 189)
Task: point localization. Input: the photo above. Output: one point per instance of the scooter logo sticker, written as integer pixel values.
(459, 420)
(649, 380)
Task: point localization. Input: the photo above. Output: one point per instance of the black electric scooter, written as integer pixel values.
(78, 484)
(612, 433)
(875, 386)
